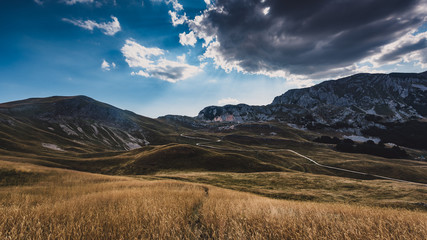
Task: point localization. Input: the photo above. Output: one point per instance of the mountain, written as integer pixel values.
(83, 134)
(395, 96)
(353, 103)
(76, 123)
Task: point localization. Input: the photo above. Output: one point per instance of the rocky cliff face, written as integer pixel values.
(356, 102)
(394, 96)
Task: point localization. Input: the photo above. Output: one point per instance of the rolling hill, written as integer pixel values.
(76, 124)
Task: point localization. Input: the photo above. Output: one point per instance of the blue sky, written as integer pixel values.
(157, 57)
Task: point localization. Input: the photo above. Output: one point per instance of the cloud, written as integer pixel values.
(408, 48)
(140, 73)
(397, 53)
(266, 10)
(175, 4)
(307, 38)
(187, 39)
(177, 19)
(226, 101)
(139, 56)
(108, 28)
(151, 63)
(72, 2)
(181, 58)
(39, 2)
(107, 66)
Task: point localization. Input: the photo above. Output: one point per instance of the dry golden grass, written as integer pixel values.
(65, 204)
(311, 187)
(98, 208)
(234, 215)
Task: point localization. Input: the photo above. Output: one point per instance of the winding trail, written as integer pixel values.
(296, 153)
(195, 220)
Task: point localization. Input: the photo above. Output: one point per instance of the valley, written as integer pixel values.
(213, 120)
(85, 169)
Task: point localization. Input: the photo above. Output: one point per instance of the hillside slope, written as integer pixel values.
(77, 123)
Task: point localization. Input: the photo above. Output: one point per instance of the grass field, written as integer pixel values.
(66, 204)
(311, 187)
(231, 184)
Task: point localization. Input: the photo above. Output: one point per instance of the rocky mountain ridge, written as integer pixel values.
(350, 104)
(392, 107)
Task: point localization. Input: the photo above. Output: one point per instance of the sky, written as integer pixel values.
(158, 57)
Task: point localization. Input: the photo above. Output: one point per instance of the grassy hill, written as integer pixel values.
(171, 157)
(78, 124)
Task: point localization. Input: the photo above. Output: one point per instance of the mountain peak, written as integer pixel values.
(85, 121)
(351, 103)
(46, 100)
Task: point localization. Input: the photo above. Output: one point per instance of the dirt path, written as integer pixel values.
(195, 221)
(296, 153)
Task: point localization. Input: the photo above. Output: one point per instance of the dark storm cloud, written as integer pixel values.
(307, 36)
(399, 52)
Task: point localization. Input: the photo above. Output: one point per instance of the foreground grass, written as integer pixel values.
(98, 208)
(65, 204)
(233, 215)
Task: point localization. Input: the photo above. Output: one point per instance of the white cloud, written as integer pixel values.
(181, 58)
(175, 4)
(408, 48)
(177, 19)
(266, 10)
(138, 56)
(140, 73)
(72, 2)
(187, 39)
(226, 101)
(107, 66)
(201, 30)
(203, 64)
(39, 2)
(108, 28)
(212, 51)
(208, 2)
